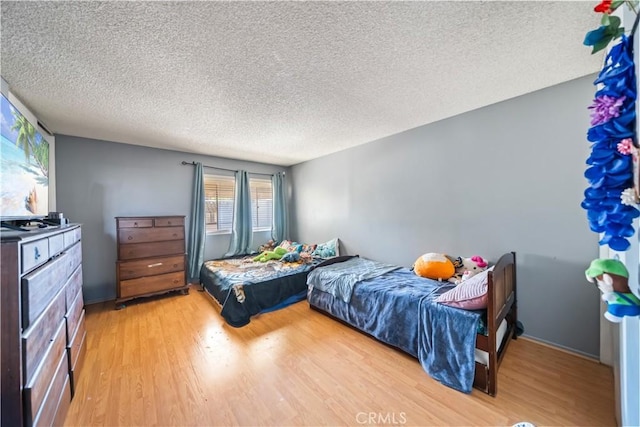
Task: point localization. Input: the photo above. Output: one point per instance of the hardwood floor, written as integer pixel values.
(174, 361)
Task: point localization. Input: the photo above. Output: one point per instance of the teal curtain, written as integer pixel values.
(197, 227)
(280, 220)
(241, 231)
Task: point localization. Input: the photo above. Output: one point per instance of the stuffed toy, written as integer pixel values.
(306, 257)
(434, 266)
(269, 246)
(324, 252)
(467, 267)
(290, 257)
(612, 279)
(276, 254)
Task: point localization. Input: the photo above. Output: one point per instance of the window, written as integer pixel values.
(261, 203)
(219, 200)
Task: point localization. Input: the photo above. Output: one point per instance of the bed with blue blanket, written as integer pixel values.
(243, 287)
(460, 348)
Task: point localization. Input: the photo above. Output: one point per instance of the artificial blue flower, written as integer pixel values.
(610, 172)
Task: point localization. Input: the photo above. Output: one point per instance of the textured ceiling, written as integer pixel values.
(280, 82)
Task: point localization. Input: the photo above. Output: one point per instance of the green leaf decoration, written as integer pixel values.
(615, 4)
(605, 20)
(614, 21)
(601, 44)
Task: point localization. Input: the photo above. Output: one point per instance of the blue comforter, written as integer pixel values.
(339, 279)
(399, 308)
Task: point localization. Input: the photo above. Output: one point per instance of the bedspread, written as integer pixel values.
(339, 279)
(245, 271)
(399, 308)
(446, 343)
(244, 288)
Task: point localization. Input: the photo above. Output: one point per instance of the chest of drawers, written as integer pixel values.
(151, 256)
(42, 317)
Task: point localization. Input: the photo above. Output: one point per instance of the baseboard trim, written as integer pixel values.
(573, 352)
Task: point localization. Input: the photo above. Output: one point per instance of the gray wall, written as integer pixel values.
(508, 177)
(99, 180)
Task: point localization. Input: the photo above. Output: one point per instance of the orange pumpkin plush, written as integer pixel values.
(434, 266)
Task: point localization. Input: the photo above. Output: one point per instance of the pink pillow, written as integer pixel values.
(470, 294)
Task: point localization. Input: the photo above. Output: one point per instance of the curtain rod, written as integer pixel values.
(228, 170)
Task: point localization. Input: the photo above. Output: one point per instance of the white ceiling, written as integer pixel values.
(280, 82)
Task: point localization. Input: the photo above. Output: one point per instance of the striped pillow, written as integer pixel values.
(470, 294)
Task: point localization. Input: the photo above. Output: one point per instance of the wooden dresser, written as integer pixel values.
(151, 256)
(42, 318)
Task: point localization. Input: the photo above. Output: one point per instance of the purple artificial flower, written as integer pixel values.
(605, 108)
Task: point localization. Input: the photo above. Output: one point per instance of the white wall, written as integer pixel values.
(630, 328)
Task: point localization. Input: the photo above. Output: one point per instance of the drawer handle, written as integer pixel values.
(157, 264)
(175, 265)
(135, 224)
(36, 253)
(175, 234)
(176, 281)
(169, 222)
(130, 238)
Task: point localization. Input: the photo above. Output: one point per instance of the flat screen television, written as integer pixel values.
(24, 168)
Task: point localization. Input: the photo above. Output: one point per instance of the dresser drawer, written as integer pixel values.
(142, 235)
(74, 257)
(76, 352)
(135, 223)
(71, 236)
(77, 343)
(143, 250)
(147, 285)
(73, 316)
(36, 390)
(150, 267)
(36, 339)
(73, 287)
(40, 286)
(56, 403)
(34, 254)
(56, 244)
(169, 221)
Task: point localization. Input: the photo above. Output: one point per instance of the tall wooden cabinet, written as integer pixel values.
(42, 323)
(151, 256)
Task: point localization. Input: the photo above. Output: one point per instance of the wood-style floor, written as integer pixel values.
(173, 361)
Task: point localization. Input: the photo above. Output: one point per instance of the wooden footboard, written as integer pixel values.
(502, 305)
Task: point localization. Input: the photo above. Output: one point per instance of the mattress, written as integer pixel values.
(482, 357)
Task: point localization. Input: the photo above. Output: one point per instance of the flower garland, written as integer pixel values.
(610, 198)
(610, 28)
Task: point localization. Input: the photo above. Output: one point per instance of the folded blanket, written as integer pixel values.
(340, 278)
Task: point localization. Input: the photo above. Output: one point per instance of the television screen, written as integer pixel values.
(24, 167)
